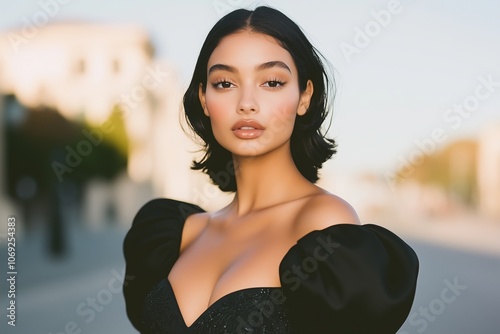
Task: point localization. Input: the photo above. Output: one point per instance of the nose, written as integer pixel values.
(247, 102)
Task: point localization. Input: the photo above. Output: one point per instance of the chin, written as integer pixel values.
(252, 147)
(248, 150)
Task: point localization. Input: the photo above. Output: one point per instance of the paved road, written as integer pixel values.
(458, 292)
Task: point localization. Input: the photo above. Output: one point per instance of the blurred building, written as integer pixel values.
(488, 166)
(461, 176)
(441, 183)
(367, 192)
(89, 74)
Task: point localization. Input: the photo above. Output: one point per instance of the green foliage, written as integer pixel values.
(453, 168)
(45, 137)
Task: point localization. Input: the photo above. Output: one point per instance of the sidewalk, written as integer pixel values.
(81, 290)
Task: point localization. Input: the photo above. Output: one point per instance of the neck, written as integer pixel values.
(267, 180)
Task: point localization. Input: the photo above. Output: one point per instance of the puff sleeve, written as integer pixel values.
(349, 279)
(151, 248)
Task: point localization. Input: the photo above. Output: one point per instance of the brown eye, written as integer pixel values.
(274, 84)
(222, 85)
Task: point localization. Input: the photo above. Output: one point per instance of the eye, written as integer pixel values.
(274, 83)
(222, 84)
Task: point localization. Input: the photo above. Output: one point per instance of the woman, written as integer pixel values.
(285, 256)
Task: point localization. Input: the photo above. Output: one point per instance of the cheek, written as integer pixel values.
(283, 116)
(218, 109)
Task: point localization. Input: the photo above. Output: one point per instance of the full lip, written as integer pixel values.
(247, 123)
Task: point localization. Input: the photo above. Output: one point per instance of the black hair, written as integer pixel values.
(309, 147)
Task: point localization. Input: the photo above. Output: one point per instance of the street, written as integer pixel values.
(458, 292)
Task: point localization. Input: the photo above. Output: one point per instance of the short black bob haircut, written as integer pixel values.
(309, 147)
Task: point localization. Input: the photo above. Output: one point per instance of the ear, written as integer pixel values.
(201, 95)
(305, 98)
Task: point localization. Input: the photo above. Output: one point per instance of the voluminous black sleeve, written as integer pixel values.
(151, 248)
(349, 279)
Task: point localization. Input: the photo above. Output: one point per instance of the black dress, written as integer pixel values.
(342, 279)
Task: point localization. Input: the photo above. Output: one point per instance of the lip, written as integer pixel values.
(256, 129)
(248, 123)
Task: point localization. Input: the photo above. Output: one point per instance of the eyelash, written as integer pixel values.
(276, 81)
(221, 81)
(217, 84)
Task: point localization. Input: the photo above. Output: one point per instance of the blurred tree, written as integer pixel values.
(39, 137)
(452, 168)
(107, 158)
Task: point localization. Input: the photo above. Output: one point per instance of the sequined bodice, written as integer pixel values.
(342, 279)
(251, 310)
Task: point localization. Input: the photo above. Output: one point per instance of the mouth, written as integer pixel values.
(247, 129)
(247, 124)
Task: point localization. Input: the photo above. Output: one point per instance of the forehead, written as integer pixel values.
(246, 50)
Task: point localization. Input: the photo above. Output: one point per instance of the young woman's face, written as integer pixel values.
(252, 95)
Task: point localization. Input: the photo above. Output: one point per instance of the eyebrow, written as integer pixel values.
(271, 64)
(222, 67)
(261, 67)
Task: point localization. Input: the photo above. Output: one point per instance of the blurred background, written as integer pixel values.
(91, 129)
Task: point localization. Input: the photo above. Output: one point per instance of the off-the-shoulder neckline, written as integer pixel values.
(185, 217)
(242, 290)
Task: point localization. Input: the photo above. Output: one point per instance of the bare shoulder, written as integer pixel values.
(322, 211)
(193, 226)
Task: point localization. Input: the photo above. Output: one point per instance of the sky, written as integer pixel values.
(402, 68)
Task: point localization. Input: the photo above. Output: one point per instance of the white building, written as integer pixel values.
(84, 71)
(488, 168)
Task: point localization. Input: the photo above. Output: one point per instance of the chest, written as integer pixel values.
(219, 263)
(238, 258)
